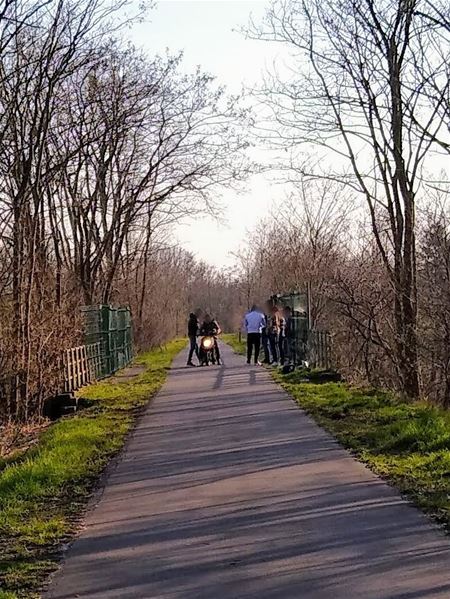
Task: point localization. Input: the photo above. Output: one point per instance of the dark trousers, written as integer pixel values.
(193, 347)
(281, 345)
(217, 349)
(274, 340)
(253, 342)
(289, 344)
(265, 346)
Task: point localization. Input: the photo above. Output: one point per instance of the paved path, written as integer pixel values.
(228, 491)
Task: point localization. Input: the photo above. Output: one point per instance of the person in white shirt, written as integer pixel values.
(254, 323)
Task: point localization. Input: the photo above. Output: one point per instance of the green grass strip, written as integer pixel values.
(43, 493)
(407, 443)
(232, 339)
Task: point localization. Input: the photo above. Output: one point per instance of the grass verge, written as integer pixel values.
(232, 339)
(43, 492)
(406, 443)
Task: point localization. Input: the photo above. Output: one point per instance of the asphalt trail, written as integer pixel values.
(227, 490)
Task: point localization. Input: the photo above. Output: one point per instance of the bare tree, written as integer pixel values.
(361, 97)
(42, 47)
(102, 150)
(154, 145)
(434, 301)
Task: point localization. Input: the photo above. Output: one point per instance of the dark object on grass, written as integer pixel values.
(306, 375)
(324, 376)
(60, 405)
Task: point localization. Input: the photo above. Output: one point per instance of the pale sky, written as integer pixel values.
(206, 31)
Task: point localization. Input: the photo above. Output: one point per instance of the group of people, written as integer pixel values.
(269, 328)
(208, 328)
(272, 329)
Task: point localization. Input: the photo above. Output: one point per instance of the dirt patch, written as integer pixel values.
(16, 439)
(128, 373)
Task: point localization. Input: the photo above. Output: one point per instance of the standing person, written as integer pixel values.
(254, 324)
(193, 326)
(289, 335)
(282, 338)
(265, 334)
(274, 333)
(211, 328)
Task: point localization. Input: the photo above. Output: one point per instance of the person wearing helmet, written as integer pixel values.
(210, 327)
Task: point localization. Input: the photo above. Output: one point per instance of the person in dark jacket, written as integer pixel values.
(282, 338)
(193, 326)
(288, 334)
(265, 334)
(273, 329)
(211, 328)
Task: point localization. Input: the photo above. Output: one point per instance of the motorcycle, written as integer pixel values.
(207, 350)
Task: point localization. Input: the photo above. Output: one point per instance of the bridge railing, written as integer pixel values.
(319, 349)
(112, 328)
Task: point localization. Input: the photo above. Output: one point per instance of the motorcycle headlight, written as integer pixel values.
(207, 343)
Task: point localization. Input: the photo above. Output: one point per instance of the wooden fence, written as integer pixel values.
(82, 365)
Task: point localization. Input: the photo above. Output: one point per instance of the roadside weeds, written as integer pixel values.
(43, 493)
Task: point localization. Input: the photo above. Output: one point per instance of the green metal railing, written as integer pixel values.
(112, 328)
(319, 349)
(307, 344)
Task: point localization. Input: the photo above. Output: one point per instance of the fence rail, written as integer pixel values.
(108, 347)
(82, 365)
(112, 328)
(319, 349)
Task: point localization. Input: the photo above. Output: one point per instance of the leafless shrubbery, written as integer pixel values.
(434, 304)
(307, 243)
(367, 92)
(175, 284)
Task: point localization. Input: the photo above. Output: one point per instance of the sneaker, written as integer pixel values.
(258, 363)
(248, 362)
